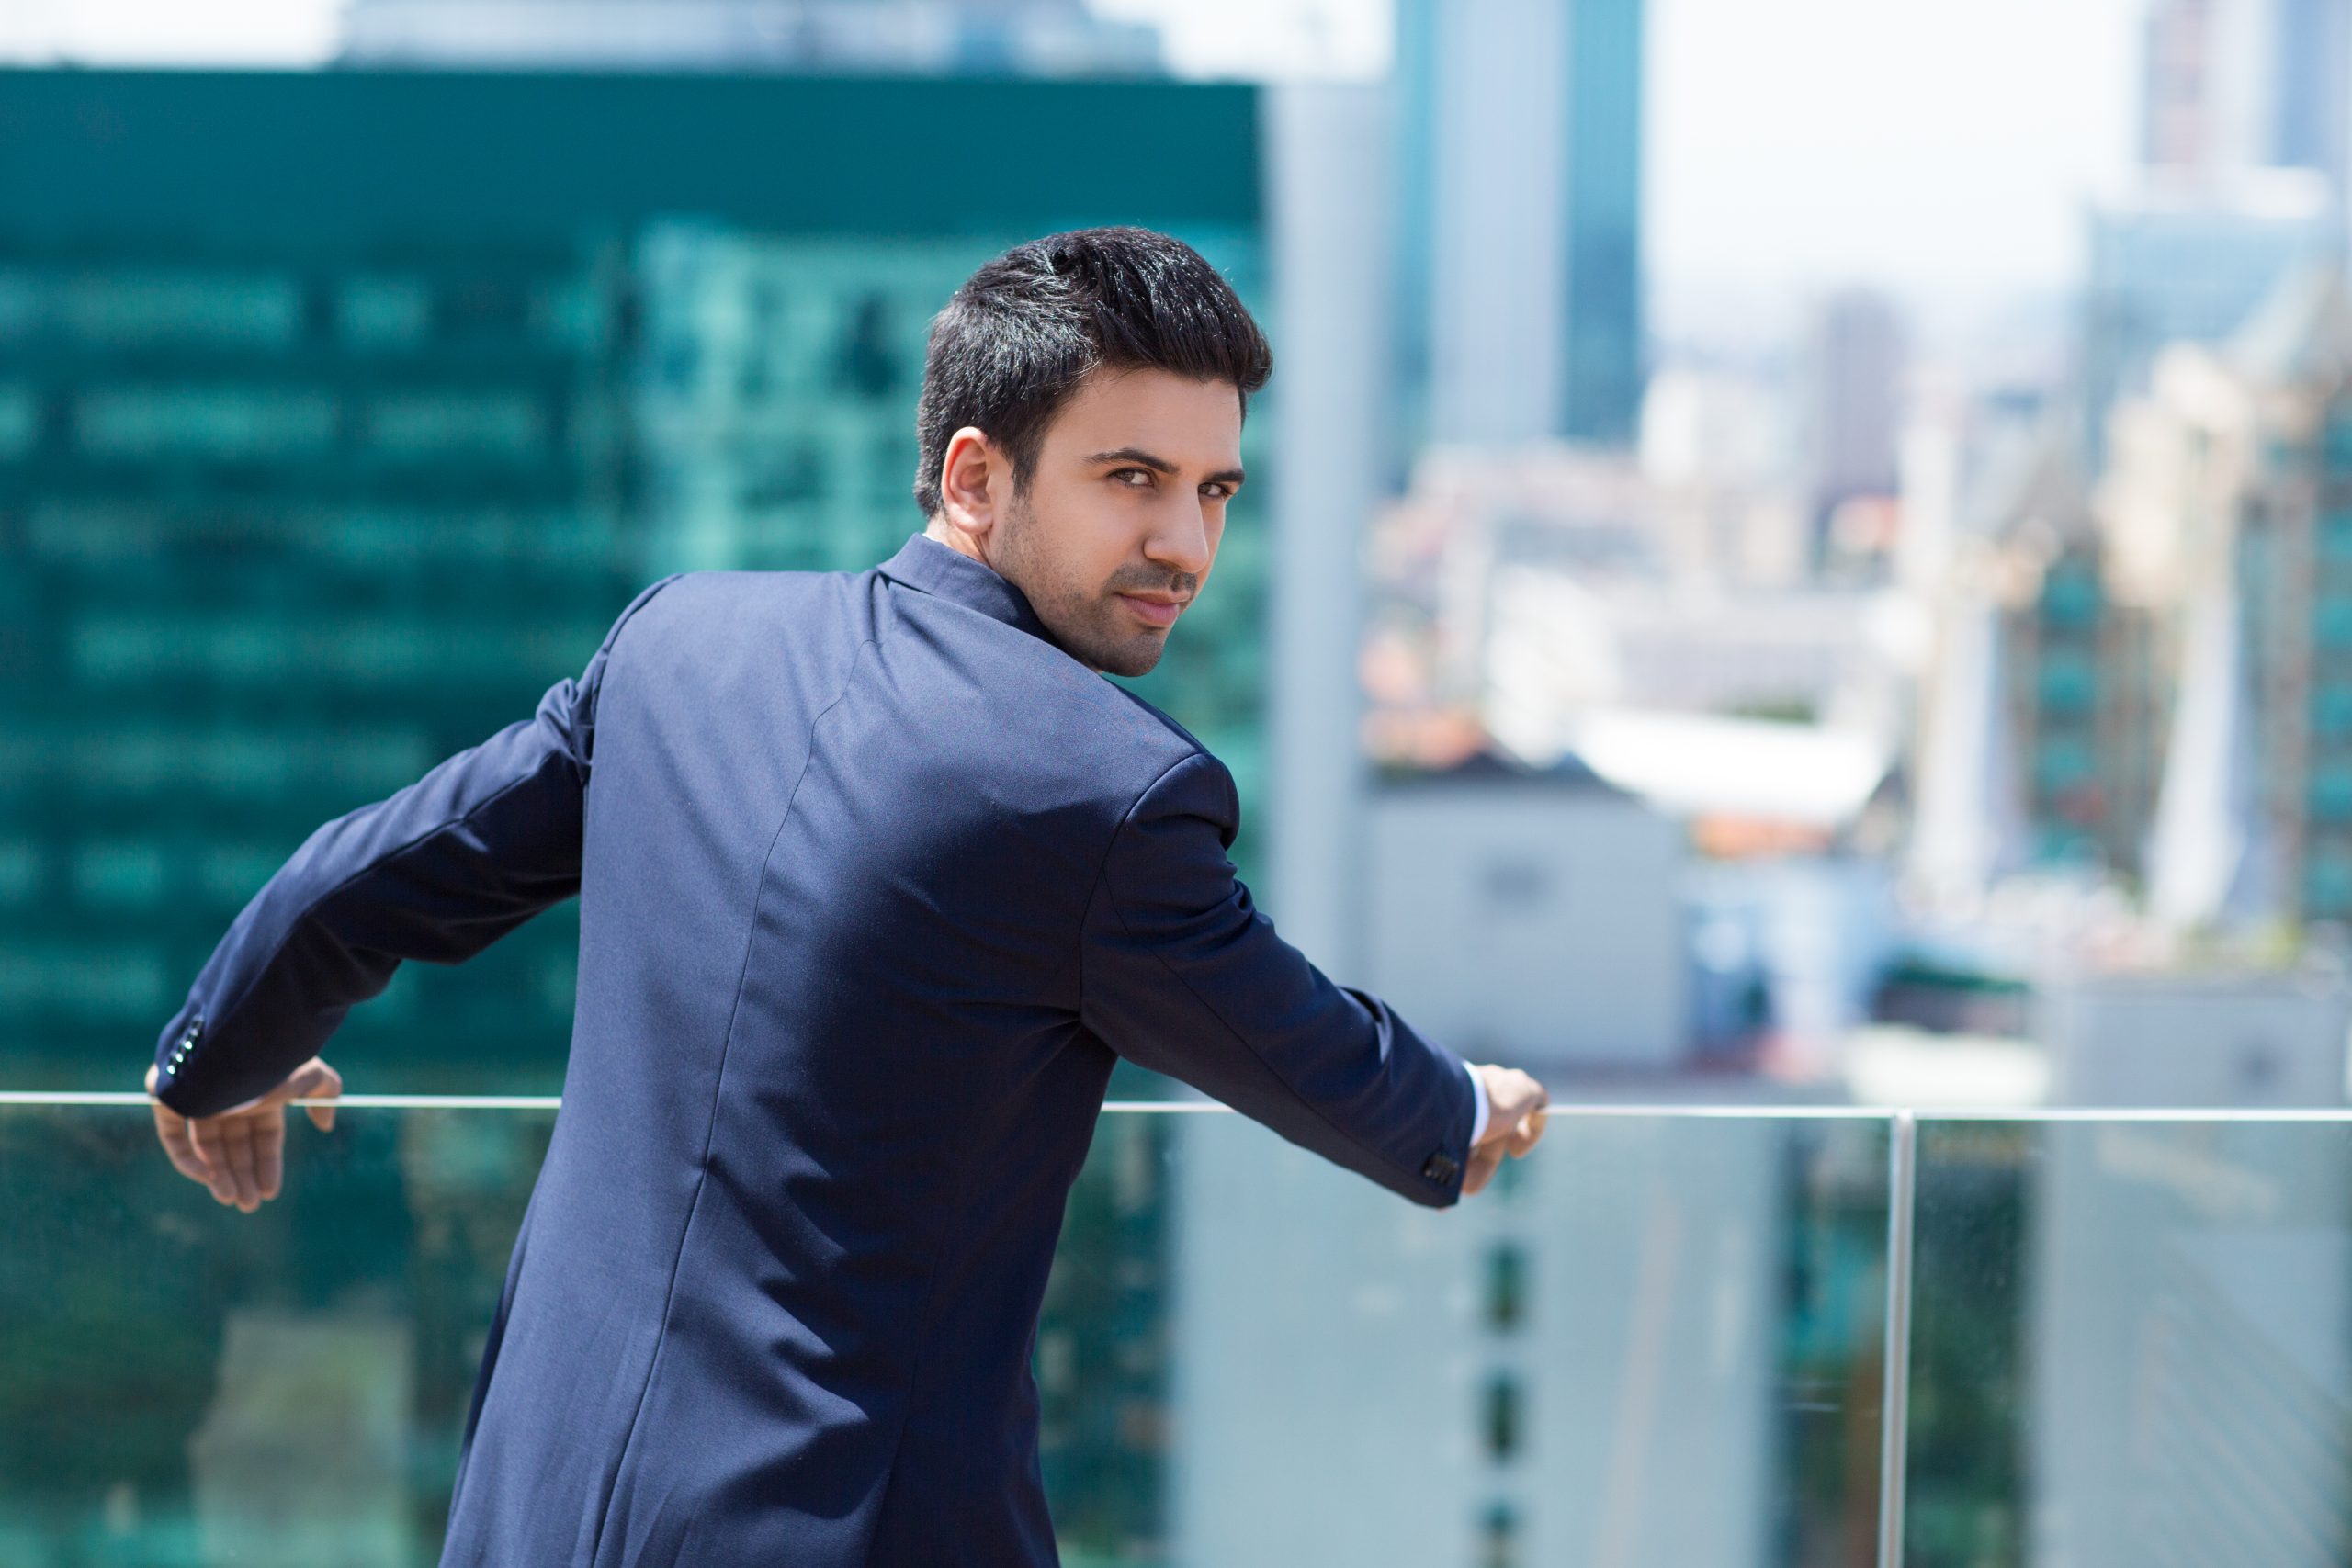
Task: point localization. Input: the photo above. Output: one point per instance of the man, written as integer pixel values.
(877, 876)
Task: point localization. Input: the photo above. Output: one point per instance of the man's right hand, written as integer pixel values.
(1515, 1113)
(240, 1154)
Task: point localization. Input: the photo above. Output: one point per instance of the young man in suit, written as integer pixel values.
(877, 878)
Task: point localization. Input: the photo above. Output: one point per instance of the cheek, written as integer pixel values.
(1124, 522)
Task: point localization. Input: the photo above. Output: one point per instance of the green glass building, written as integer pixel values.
(340, 413)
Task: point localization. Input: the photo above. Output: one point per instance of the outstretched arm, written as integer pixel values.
(436, 871)
(1183, 975)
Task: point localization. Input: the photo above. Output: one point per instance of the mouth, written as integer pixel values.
(1156, 609)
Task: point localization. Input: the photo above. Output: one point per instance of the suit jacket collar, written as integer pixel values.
(922, 562)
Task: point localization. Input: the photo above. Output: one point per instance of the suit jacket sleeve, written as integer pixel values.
(1182, 974)
(436, 871)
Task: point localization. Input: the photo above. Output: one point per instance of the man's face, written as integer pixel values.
(1122, 516)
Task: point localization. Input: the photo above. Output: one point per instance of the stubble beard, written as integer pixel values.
(1080, 618)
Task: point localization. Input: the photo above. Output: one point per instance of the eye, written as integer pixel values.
(1217, 489)
(1143, 474)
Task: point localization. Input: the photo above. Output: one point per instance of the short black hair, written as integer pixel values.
(1011, 344)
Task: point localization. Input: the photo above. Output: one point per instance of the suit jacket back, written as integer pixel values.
(875, 880)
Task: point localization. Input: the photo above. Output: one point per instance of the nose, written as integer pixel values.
(1179, 538)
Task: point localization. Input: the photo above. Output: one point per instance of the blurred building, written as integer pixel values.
(2194, 1276)
(1531, 916)
(2193, 1273)
(2230, 85)
(2186, 260)
(1519, 219)
(1523, 588)
(1717, 443)
(2047, 707)
(339, 413)
(2231, 511)
(1641, 1313)
(2196, 1037)
(2176, 87)
(926, 37)
(1855, 361)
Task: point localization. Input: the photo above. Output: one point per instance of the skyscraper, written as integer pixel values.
(2230, 510)
(2187, 258)
(340, 413)
(2233, 85)
(1519, 212)
(1853, 404)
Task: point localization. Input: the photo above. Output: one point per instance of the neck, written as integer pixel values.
(956, 539)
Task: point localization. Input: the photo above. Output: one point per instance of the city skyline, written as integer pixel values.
(1778, 168)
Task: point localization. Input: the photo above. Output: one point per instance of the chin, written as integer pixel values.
(1135, 658)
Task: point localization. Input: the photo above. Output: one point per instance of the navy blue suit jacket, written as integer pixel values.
(875, 880)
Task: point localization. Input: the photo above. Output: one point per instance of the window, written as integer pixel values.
(2338, 449)
(2062, 763)
(2069, 681)
(1506, 1281)
(2332, 621)
(1502, 1415)
(20, 421)
(213, 421)
(866, 366)
(2070, 596)
(2334, 530)
(383, 312)
(2327, 883)
(1515, 883)
(1498, 1537)
(2329, 791)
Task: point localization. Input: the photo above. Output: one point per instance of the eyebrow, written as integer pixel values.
(1142, 458)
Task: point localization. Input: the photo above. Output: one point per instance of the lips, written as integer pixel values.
(1157, 611)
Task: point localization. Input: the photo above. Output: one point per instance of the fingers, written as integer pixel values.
(237, 1137)
(209, 1135)
(240, 1154)
(269, 1155)
(1528, 1133)
(230, 1145)
(1518, 1107)
(316, 1080)
(1481, 1167)
(172, 1132)
(1512, 1099)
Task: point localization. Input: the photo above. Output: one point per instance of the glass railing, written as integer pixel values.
(1726, 1337)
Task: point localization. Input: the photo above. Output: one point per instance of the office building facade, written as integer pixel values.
(1519, 212)
(340, 414)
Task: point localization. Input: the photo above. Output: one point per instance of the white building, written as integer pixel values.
(1533, 917)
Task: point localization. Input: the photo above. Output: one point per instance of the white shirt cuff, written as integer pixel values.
(1478, 1090)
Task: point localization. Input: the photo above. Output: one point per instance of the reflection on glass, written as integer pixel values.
(1690, 1371)
(2131, 1343)
(1247, 1356)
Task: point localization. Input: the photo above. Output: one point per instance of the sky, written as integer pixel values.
(1940, 148)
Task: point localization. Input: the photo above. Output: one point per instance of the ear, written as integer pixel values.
(974, 477)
